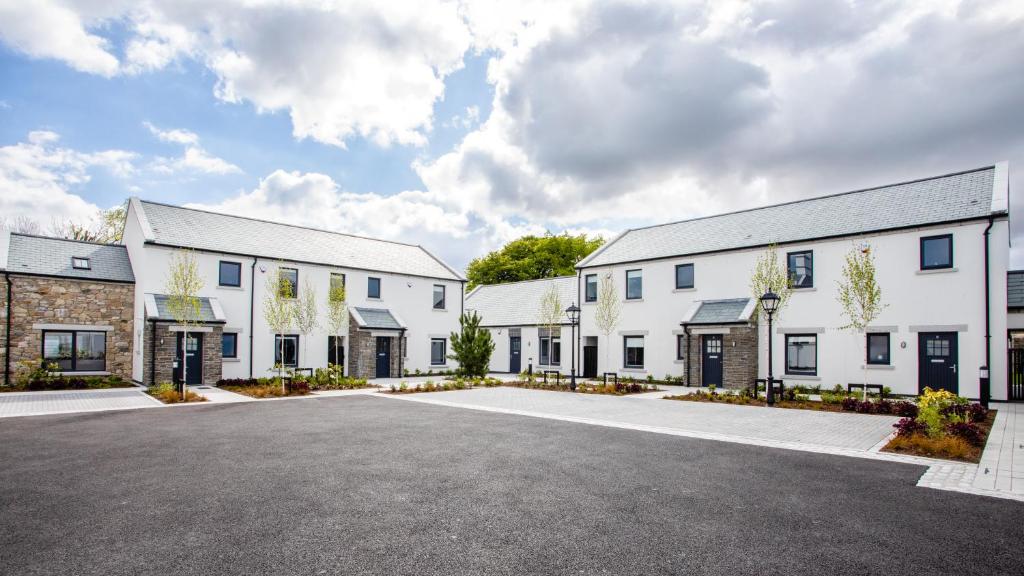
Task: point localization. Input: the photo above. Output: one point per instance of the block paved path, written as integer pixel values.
(65, 401)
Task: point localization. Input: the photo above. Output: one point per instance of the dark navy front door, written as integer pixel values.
(193, 359)
(515, 354)
(383, 357)
(711, 360)
(937, 361)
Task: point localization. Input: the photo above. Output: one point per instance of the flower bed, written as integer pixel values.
(264, 387)
(457, 383)
(44, 377)
(168, 394)
(621, 388)
(332, 378)
(792, 400)
(946, 426)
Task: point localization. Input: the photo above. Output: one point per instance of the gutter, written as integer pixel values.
(985, 392)
(7, 334)
(579, 326)
(252, 309)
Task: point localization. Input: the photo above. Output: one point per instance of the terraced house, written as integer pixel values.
(404, 302)
(941, 247)
(66, 302)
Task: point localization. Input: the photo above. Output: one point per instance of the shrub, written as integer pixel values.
(909, 427)
(952, 447)
(968, 431)
(904, 409)
(850, 404)
(168, 393)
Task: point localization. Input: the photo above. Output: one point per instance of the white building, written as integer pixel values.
(939, 243)
(404, 302)
(512, 313)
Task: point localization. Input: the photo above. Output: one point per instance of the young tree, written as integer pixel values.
(306, 312)
(182, 286)
(770, 276)
(551, 312)
(337, 314)
(471, 347)
(607, 312)
(279, 312)
(860, 297)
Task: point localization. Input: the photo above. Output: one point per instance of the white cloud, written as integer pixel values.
(174, 135)
(37, 178)
(194, 158)
(49, 29)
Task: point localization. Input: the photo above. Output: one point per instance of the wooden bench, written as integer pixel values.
(870, 387)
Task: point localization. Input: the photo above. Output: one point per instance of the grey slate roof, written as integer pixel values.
(934, 200)
(52, 257)
(518, 303)
(720, 311)
(379, 318)
(190, 228)
(206, 313)
(1015, 289)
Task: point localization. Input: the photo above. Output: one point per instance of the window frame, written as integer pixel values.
(586, 288)
(625, 351)
(330, 281)
(544, 350)
(921, 244)
(553, 340)
(330, 349)
(791, 372)
(789, 268)
(74, 349)
(295, 285)
(693, 279)
(220, 273)
(369, 282)
(444, 297)
(76, 259)
(640, 271)
(444, 351)
(277, 349)
(888, 349)
(681, 347)
(233, 335)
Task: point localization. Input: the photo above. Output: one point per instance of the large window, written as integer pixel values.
(937, 252)
(291, 350)
(634, 284)
(684, 276)
(878, 348)
(289, 278)
(437, 351)
(438, 296)
(550, 350)
(336, 350)
(229, 345)
(373, 287)
(802, 354)
(556, 351)
(801, 269)
(633, 351)
(590, 289)
(76, 351)
(230, 274)
(337, 280)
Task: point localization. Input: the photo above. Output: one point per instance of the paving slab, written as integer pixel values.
(68, 401)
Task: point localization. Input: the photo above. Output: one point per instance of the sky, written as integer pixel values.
(463, 125)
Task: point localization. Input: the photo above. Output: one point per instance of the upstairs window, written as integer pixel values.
(80, 263)
(438, 296)
(937, 252)
(337, 280)
(289, 279)
(684, 276)
(634, 284)
(230, 274)
(373, 287)
(801, 269)
(590, 290)
(878, 348)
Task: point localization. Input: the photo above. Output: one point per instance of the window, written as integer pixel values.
(76, 351)
(801, 269)
(556, 351)
(634, 285)
(590, 294)
(291, 350)
(79, 263)
(545, 351)
(437, 351)
(289, 279)
(229, 345)
(230, 274)
(684, 276)
(680, 347)
(550, 349)
(937, 252)
(878, 348)
(802, 354)
(373, 287)
(633, 351)
(438, 297)
(337, 280)
(336, 350)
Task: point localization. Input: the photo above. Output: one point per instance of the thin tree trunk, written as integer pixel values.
(280, 366)
(864, 338)
(184, 365)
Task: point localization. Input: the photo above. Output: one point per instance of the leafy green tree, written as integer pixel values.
(279, 312)
(860, 297)
(531, 258)
(471, 346)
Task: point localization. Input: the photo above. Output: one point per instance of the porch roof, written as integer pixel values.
(377, 319)
(158, 308)
(729, 311)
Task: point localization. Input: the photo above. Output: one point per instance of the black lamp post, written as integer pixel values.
(770, 303)
(573, 312)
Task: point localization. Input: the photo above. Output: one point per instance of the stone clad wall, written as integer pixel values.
(166, 351)
(362, 353)
(40, 300)
(739, 362)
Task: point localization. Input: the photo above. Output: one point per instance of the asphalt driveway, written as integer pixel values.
(365, 485)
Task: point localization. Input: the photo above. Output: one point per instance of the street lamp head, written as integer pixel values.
(573, 313)
(770, 302)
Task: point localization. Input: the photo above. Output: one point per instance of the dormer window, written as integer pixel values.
(79, 263)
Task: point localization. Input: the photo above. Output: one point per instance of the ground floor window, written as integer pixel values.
(633, 351)
(289, 356)
(550, 350)
(437, 351)
(229, 345)
(74, 351)
(878, 348)
(336, 350)
(802, 354)
(680, 347)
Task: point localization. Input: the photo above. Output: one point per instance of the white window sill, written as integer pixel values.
(679, 362)
(632, 300)
(674, 290)
(439, 309)
(438, 367)
(635, 370)
(372, 299)
(877, 367)
(808, 289)
(84, 373)
(807, 377)
(235, 288)
(937, 271)
(230, 360)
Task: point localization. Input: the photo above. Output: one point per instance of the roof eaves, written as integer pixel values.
(583, 263)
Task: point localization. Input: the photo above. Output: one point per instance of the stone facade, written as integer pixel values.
(362, 353)
(65, 301)
(739, 355)
(166, 353)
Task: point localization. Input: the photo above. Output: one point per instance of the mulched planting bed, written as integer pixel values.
(849, 405)
(947, 447)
